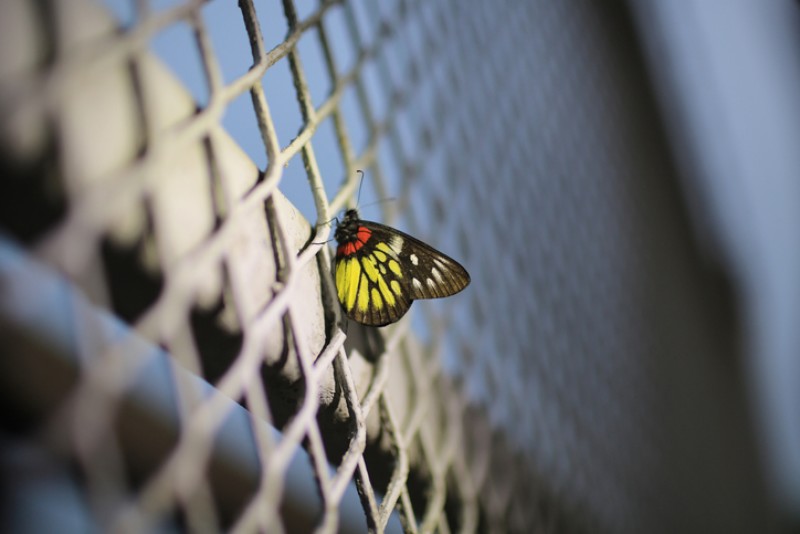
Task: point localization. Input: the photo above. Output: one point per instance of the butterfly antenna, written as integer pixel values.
(325, 223)
(381, 201)
(358, 197)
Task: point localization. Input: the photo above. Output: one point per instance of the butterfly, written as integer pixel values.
(380, 271)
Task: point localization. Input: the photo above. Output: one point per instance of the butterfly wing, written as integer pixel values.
(369, 281)
(382, 270)
(431, 274)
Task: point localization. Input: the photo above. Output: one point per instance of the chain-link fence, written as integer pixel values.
(176, 358)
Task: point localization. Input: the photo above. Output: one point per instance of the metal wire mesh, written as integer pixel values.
(521, 134)
(159, 217)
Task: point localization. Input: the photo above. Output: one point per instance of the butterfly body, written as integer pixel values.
(380, 271)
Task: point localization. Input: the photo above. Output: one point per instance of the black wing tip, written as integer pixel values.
(467, 277)
(464, 280)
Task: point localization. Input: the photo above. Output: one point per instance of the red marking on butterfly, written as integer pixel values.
(351, 247)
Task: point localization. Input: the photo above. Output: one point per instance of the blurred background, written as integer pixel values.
(621, 180)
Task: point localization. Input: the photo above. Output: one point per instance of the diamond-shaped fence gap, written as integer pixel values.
(343, 140)
(183, 477)
(217, 331)
(438, 104)
(382, 466)
(285, 386)
(406, 131)
(377, 99)
(180, 343)
(278, 84)
(341, 42)
(432, 27)
(273, 23)
(182, 204)
(294, 184)
(320, 84)
(434, 183)
(419, 56)
(254, 250)
(453, 359)
(176, 46)
(397, 99)
(108, 115)
(262, 508)
(357, 420)
(393, 57)
(329, 156)
(407, 162)
(194, 493)
(241, 123)
(322, 475)
(403, 390)
(276, 456)
(435, 313)
(342, 422)
(420, 216)
(330, 61)
(99, 460)
(233, 459)
(338, 429)
(31, 156)
(306, 9)
(301, 424)
(147, 436)
(420, 324)
(363, 25)
(361, 120)
(234, 454)
(132, 268)
(210, 60)
(391, 465)
(377, 21)
(436, 448)
(223, 22)
(125, 397)
(393, 178)
(24, 210)
(254, 255)
(358, 127)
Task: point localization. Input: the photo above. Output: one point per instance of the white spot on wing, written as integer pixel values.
(396, 243)
(431, 283)
(438, 263)
(436, 274)
(417, 284)
(414, 259)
